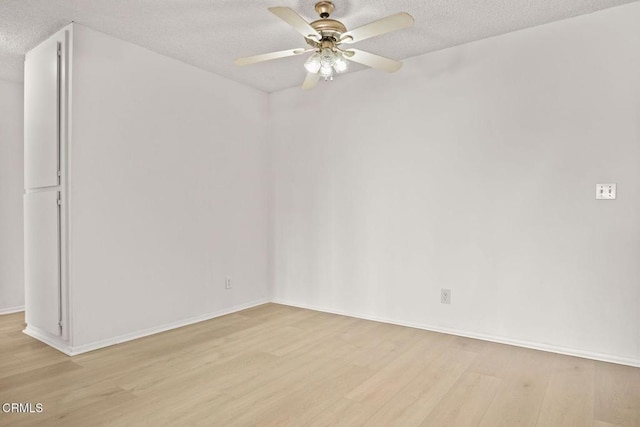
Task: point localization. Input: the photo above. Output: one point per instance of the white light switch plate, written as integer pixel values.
(605, 191)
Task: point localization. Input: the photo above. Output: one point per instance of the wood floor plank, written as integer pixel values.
(380, 345)
(569, 400)
(220, 376)
(76, 413)
(525, 377)
(412, 404)
(11, 322)
(597, 423)
(168, 407)
(33, 377)
(344, 413)
(313, 330)
(466, 403)
(318, 394)
(399, 372)
(617, 394)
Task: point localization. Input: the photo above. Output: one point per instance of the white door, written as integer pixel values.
(42, 260)
(42, 70)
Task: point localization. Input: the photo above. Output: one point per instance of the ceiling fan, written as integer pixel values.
(327, 38)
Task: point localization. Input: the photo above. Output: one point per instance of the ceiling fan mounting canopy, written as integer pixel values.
(324, 8)
(327, 38)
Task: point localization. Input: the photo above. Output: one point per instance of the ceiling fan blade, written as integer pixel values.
(374, 61)
(379, 27)
(269, 56)
(311, 81)
(289, 16)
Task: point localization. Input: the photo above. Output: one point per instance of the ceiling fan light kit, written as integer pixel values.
(325, 37)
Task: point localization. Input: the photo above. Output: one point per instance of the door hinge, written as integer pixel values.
(59, 173)
(59, 202)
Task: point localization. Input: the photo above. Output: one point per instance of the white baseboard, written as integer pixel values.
(10, 310)
(72, 351)
(75, 350)
(485, 337)
(46, 338)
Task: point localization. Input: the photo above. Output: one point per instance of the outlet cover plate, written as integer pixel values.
(605, 191)
(445, 296)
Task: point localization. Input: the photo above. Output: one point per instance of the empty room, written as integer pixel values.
(320, 213)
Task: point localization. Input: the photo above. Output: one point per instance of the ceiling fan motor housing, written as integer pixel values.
(329, 28)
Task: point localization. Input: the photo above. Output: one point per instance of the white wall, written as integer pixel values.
(11, 190)
(473, 169)
(168, 191)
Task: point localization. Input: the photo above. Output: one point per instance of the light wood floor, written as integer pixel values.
(275, 365)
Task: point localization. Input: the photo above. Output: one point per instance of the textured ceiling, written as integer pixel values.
(210, 34)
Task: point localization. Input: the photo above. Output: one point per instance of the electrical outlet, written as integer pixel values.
(227, 282)
(605, 191)
(445, 296)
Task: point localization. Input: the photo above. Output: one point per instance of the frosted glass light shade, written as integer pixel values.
(341, 64)
(312, 64)
(327, 57)
(326, 72)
